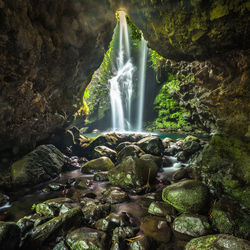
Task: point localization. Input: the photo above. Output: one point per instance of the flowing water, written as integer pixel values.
(141, 88)
(122, 85)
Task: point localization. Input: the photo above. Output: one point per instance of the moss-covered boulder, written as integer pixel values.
(157, 159)
(187, 196)
(107, 139)
(10, 235)
(100, 151)
(86, 238)
(132, 172)
(130, 150)
(156, 228)
(94, 210)
(228, 218)
(224, 167)
(191, 144)
(42, 164)
(54, 207)
(151, 145)
(97, 165)
(191, 225)
(161, 209)
(57, 226)
(218, 242)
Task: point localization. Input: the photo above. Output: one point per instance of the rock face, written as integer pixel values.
(186, 196)
(42, 164)
(214, 26)
(48, 51)
(224, 163)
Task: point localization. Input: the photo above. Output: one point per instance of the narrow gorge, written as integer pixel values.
(125, 124)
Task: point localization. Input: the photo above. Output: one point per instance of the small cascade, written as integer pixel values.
(121, 85)
(141, 86)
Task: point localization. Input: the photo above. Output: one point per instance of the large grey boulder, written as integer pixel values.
(42, 164)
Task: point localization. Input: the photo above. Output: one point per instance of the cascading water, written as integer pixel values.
(121, 86)
(121, 83)
(141, 87)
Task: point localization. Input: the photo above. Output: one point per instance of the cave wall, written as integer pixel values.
(48, 51)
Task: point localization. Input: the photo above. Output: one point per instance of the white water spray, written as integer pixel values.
(121, 86)
(141, 87)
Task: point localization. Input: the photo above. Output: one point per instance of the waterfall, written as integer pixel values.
(121, 83)
(121, 86)
(141, 87)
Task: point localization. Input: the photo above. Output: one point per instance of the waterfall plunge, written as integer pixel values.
(121, 83)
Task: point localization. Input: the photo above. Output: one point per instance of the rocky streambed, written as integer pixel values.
(116, 191)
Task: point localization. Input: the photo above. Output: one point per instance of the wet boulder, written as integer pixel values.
(93, 210)
(130, 150)
(119, 236)
(218, 242)
(151, 145)
(86, 238)
(143, 242)
(57, 226)
(228, 218)
(122, 145)
(191, 145)
(180, 174)
(100, 151)
(54, 207)
(97, 165)
(106, 139)
(132, 172)
(156, 159)
(191, 225)
(187, 196)
(114, 195)
(10, 235)
(161, 209)
(42, 164)
(156, 228)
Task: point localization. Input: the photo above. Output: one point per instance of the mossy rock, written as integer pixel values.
(57, 226)
(191, 225)
(151, 145)
(217, 242)
(43, 163)
(132, 172)
(224, 163)
(130, 150)
(161, 209)
(191, 144)
(228, 218)
(54, 207)
(97, 165)
(86, 238)
(187, 196)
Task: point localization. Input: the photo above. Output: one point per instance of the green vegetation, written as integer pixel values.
(170, 113)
